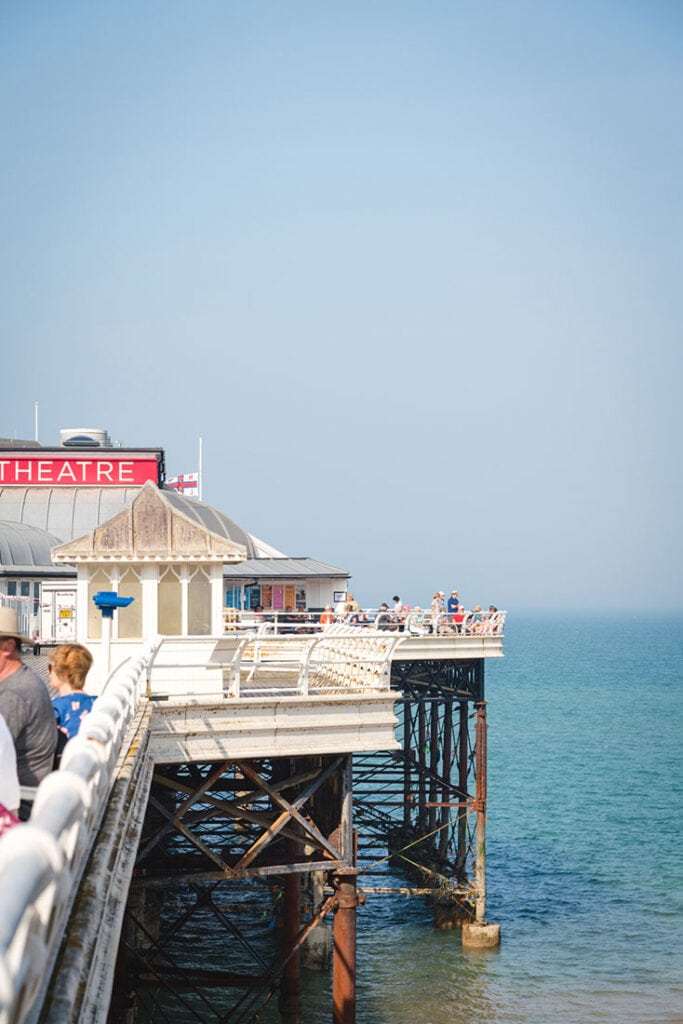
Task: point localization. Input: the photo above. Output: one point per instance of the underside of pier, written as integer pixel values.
(248, 868)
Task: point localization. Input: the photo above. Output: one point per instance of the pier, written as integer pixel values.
(216, 775)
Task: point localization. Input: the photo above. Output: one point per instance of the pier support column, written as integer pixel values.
(344, 962)
(316, 951)
(479, 933)
(480, 801)
(463, 772)
(289, 1002)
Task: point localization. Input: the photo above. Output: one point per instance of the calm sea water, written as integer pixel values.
(584, 846)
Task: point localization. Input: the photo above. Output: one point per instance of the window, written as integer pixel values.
(130, 618)
(199, 603)
(170, 621)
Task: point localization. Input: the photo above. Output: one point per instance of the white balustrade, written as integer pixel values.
(41, 861)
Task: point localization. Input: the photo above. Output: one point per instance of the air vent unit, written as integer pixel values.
(84, 437)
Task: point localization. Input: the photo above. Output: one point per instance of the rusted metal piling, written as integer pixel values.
(345, 904)
(289, 1002)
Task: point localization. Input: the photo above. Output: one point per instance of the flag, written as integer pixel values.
(186, 483)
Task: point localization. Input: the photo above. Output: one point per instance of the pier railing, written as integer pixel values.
(337, 659)
(414, 622)
(41, 861)
(322, 659)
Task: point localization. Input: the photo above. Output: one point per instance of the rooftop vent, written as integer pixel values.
(82, 437)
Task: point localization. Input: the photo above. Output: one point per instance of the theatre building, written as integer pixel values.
(52, 497)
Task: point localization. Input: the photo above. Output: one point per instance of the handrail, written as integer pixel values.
(277, 623)
(42, 860)
(339, 656)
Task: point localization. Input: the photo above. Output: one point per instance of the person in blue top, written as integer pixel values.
(453, 603)
(69, 666)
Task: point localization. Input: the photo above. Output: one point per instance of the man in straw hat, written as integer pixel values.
(26, 707)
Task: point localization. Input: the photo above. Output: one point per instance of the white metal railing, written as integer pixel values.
(464, 623)
(337, 659)
(41, 861)
(254, 663)
(415, 622)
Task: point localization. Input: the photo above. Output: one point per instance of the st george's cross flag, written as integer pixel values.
(186, 483)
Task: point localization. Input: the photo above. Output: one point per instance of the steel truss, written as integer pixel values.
(419, 808)
(232, 848)
(257, 826)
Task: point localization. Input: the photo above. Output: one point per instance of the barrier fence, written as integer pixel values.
(41, 861)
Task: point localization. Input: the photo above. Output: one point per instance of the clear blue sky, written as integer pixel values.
(411, 269)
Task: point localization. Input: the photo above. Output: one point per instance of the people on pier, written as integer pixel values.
(459, 618)
(383, 617)
(415, 622)
(476, 616)
(26, 707)
(68, 670)
(436, 611)
(484, 622)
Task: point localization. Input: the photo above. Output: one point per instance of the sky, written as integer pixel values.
(411, 270)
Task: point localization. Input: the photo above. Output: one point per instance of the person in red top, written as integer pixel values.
(327, 616)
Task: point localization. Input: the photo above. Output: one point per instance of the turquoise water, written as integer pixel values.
(584, 842)
(584, 834)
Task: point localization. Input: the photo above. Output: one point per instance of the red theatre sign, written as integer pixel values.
(77, 470)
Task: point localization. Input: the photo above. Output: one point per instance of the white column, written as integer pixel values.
(185, 604)
(150, 600)
(216, 577)
(115, 577)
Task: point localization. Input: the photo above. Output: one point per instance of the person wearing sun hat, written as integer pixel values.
(26, 707)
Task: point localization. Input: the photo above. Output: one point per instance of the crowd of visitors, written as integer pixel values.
(33, 728)
(446, 615)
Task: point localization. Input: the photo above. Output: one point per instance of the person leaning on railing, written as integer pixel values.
(436, 611)
(69, 666)
(383, 617)
(26, 707)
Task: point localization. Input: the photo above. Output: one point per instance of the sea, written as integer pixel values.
(584, 845)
